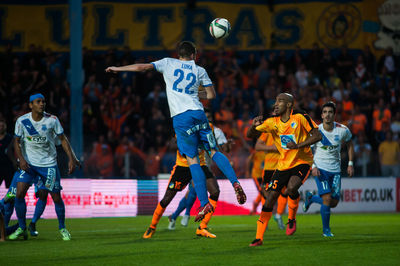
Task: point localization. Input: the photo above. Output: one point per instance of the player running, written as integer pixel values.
(34, 143)
(326, 167)
(183, 78)
(293, 133)
(266, 144)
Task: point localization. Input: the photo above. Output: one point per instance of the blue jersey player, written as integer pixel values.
(183, 78)
(35, 146)
(326, 167)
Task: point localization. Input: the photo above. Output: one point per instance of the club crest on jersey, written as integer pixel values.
(293, 124)
(171, 185)
(44, 128)
(336, 137)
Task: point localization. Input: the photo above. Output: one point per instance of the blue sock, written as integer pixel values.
(181, 207)
(325, 215)
(225, 166)
(316, 199)
(11, 229)
(199, 180)
(20, 209)
(60, 211)
(190, 200)
(8, 211)
(39, 209)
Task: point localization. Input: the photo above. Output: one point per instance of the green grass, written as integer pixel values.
(360, 239)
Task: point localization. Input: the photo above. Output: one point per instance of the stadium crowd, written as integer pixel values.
(128, 113)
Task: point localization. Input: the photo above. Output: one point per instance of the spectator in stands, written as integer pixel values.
(389, 156)
(362, 155)
(358, 121)
(390, 62)
(302, 76)
(381, 119)
(395, 126)
(105, 162)
(344, 64)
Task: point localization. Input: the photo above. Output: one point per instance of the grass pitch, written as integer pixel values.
(360, 239)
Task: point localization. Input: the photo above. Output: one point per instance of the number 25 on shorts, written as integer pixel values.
(273, 185)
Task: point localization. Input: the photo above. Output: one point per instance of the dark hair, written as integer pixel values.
(186, 49)
(331, 105)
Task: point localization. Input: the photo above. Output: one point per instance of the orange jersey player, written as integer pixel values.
(266, 143)
(179, 179)
(255, 167)
(293, 133)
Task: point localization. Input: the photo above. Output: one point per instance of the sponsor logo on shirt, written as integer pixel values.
(285, 139)
(37, 139)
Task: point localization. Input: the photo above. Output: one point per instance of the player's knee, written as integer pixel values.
(56, 197)
(333, 203)
(292, 193)
(215, 195)
(42, 196)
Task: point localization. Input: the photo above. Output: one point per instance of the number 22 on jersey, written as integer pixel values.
(190, 77)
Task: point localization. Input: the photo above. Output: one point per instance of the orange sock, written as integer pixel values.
(157, 216)
(207, 218)
(281, 205)
(262, 224)
(293, 205)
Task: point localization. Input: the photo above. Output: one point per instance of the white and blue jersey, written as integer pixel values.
(182, 80)
(327, 151)
(38, 146)
(327, 159)
(38, 139)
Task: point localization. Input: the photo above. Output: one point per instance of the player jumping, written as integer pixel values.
(183, 78)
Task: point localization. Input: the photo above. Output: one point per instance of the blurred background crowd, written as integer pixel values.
(126, 118)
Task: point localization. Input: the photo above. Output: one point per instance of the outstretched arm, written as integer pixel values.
(133, 68)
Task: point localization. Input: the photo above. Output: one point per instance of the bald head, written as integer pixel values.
(284, 103)
(286, 97)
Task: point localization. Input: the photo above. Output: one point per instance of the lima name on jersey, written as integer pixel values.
(182, 80)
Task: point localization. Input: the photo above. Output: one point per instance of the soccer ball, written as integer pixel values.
(220, 28)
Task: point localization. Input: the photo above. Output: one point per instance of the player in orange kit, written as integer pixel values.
(293, 133)
(266, 144)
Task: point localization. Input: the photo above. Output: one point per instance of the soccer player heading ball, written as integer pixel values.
(183, 78)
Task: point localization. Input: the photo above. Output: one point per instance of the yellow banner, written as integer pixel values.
(161, 26)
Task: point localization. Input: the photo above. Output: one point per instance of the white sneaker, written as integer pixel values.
(185, 220)
(171, 225)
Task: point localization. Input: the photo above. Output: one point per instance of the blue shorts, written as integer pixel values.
(48, 178)
(328, 182)
(193, 132)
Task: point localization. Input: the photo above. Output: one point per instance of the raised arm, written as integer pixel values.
(253, 133)
(132, 68)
